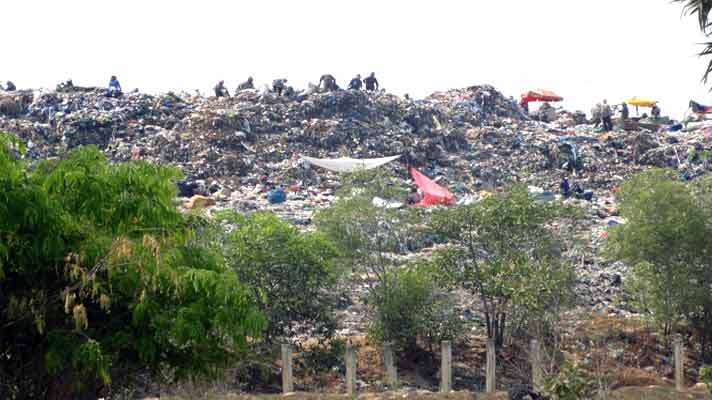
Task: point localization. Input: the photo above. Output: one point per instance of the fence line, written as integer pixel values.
(391, 378)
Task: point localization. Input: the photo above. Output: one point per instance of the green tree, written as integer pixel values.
(505, 251)
(369, 235)
(293, 275)
(413, 306)
(101, 276)
(666, 240)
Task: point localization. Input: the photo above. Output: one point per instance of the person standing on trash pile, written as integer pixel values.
(328, 82)
(10, 87)
(221, 90)
(371, 82)
(114, 87)
(624, 112)
(606, 116)
(596, 114)
(486, 101)
(278, 86)
(655, 111)
(356, 83)
(248, 84)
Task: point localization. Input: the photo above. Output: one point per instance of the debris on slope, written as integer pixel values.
(474, 141)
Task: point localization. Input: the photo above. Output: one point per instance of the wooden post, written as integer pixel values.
(537, 370)
(350, 370)
(287, 382)
(446, 367)
(679, 366)
(490, 383)
(391, 371)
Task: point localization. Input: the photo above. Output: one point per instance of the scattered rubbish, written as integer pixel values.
(474, 142)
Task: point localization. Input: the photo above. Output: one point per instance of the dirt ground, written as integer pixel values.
(629, 393)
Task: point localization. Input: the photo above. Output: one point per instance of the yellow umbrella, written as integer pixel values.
(638, 102)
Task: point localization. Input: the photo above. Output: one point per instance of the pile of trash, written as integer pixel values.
(473, 141)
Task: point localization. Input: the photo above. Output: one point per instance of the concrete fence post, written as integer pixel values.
(537, 369)
(389, 361)
(490, 382)
(679, 366)
(446, 367)
(350, 370)
(287, 381)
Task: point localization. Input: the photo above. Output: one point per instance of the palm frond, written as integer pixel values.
(706, 53)
(701, 8)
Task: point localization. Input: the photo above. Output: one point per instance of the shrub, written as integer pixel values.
(408, 305)
(503, 251)
(100, 277)
(292, 274)
(571, 383)
(666, 240)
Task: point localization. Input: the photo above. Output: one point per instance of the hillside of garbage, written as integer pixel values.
(475, 141)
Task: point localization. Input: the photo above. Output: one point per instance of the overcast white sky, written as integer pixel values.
(584, 50)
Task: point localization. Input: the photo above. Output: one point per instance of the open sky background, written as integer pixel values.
(584, 50)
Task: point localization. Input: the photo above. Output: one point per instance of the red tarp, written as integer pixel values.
(540, 95)
(432, 192)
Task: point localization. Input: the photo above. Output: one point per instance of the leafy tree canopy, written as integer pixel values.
(101, 276)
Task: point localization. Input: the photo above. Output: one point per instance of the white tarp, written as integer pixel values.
(347, 164)
(389, 204)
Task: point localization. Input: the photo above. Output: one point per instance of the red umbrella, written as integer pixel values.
(540, 95)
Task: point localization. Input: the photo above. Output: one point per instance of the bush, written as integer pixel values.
(503, 250)
(100, 277)
(571, 383)
(408, 305)
(666, 241)
(292, 274)
(324, 357)
(404, 304)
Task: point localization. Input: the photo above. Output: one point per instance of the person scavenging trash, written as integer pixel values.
(487, 101)
(596, 114)
(371, 82)
(65, 86)
(278, 86)
(328, 82)
(114, 87)
(606, 116)
(276, 195)
(567, 156)
(221, 90)
(248, 84)
(655, 111)
(10, 87)
(565, 187)
(624, 112)
(581, 194)
(414, 197)
(356, 83)
(525, 106)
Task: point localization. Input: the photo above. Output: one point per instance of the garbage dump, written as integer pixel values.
(472, 141)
